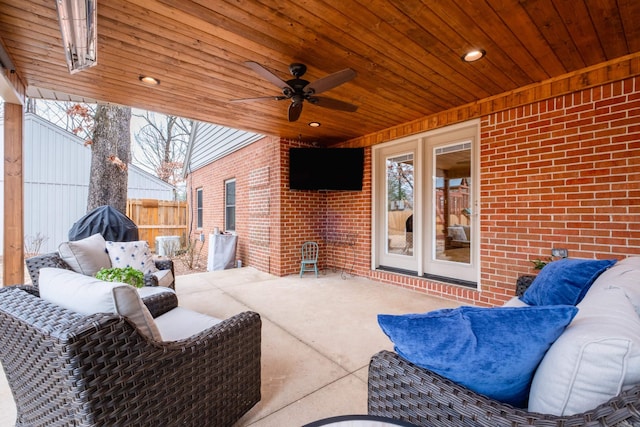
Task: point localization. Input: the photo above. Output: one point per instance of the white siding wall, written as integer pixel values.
(56, 181)
(143, 185)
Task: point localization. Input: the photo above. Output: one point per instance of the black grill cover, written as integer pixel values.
(108, 221)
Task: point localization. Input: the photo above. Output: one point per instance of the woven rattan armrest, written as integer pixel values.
(50, 260)
(400, 390)
(159, 304)
(161, 264)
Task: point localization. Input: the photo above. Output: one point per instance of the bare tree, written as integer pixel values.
(110, 151)
(162, 144)
(75, 117)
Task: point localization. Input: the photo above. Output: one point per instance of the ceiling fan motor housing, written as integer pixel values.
(297, 70)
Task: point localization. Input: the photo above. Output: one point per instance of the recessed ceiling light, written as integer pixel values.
(148, 80)
(474, 55)
(314, 124)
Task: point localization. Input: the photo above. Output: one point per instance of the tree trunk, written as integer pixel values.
(110, 152)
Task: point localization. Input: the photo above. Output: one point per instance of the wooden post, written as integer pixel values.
(13, 267)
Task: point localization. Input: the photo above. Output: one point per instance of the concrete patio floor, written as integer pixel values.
(318, 335)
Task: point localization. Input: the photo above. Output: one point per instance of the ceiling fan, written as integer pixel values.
(298, 90)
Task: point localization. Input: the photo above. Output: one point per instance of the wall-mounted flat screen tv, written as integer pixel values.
(326, 168)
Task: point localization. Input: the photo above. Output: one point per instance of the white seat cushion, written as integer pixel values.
(180, 323)
(147, 291)
(515, 302)
(596, 357)
(165, 278)
(86, 256)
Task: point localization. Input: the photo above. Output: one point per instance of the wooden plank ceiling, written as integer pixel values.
(406, 54)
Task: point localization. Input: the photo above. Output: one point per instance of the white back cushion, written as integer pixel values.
(88, 295)
(86, 256)
(596, 357)
(625, 274)
(76, 292)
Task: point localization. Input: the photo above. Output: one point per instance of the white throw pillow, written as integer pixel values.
(86, 256)
(88, 295)
(596, 357)
(132, 254)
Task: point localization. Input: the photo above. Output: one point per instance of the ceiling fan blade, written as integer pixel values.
(294, 111)
(260, 98)
(330, 81)
(334, 104)
(267, 75)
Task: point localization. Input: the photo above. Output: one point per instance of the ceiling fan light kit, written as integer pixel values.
(299, 90)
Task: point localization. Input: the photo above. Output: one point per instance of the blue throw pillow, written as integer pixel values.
(492, 351)
(565, 281)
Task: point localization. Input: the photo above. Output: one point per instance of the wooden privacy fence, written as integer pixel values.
(158, 218)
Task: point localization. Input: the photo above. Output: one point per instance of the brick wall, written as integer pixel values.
(560, 173)
(256, 170)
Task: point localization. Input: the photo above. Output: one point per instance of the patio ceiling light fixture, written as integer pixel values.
(314, 124)
(148, 80)
(77, 20)
(474, 55)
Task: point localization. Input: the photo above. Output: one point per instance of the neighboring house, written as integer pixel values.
(56, 181)
(559, 173)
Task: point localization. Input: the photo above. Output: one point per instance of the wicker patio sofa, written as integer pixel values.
(400, 390)
(53, 259)
(158, 303)
(65, 368)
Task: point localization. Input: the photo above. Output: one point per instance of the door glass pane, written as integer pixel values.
(452, 219)
(400, 205)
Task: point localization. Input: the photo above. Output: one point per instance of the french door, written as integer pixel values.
(425, 205)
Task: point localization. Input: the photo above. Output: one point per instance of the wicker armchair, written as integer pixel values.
(64, 368)
(34, 264)
(401, 390)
